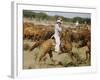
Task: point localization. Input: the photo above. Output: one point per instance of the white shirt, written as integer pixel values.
(58, 29)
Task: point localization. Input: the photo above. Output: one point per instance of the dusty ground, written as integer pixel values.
(29, 61)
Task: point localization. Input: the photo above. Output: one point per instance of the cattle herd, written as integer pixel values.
(39, 43)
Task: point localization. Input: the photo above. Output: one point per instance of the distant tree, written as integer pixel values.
(77, 19)
(87, 20)
(82, 20)
(28, 13)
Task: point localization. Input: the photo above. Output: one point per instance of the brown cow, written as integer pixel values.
(43, 49)
(37, 32)
(82, 35)
(66, 45)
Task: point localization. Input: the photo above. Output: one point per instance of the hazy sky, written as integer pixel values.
(70, 14)
(67, 14)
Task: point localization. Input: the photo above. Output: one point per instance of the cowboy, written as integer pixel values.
(58, 30)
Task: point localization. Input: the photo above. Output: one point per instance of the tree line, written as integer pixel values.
(44, 16)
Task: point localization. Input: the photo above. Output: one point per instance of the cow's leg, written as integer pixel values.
(39, 58)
